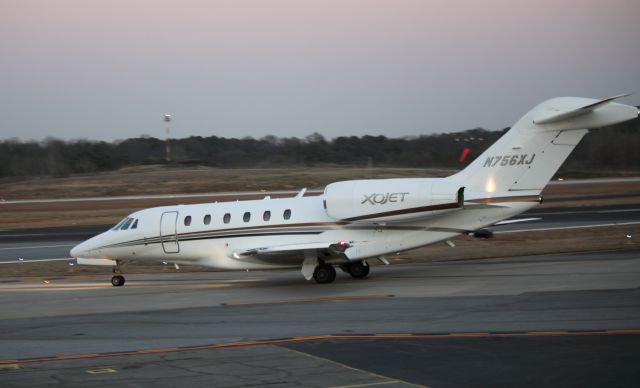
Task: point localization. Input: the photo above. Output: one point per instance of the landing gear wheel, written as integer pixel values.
(324, 274)
(117, 280)
(358, 270)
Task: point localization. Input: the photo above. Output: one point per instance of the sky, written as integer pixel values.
(106, 70)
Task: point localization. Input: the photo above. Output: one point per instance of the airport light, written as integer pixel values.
(167, 120)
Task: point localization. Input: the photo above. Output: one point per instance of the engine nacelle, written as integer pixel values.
(391, 199)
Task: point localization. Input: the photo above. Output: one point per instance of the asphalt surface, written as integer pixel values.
(590, 360)
(55, 243)
(556, 320)
(44, 243)
(557, 218)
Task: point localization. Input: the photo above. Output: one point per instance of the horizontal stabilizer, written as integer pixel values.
(564, 114)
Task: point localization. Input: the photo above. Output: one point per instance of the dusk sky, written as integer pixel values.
(110, 69)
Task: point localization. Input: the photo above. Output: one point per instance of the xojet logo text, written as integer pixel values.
(382, 198)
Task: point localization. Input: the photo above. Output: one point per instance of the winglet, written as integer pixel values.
(563, 115)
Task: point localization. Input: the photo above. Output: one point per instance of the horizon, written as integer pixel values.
(263, 138)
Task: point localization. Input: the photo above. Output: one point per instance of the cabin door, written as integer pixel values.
(168, 232)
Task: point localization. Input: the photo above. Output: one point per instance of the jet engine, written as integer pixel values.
(391, 199)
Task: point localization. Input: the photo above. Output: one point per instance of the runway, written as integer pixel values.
(55, 243)
(221, 326)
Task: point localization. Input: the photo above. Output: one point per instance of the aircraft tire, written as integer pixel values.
(117, 281)
(324, 274)
(358, 270)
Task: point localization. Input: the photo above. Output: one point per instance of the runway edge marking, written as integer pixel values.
(325, 337)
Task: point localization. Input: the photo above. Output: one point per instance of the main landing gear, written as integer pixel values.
(325, 273)
(357, 269)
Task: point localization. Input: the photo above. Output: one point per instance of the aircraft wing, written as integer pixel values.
(507, 222)
(21, 260)
(333, 246)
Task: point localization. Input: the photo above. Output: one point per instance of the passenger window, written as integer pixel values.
(266, 215)
(287, 214)
(227, 218)
(187, 221)
(207, 219)
(135, 224)
(125, 226)
(246, 217)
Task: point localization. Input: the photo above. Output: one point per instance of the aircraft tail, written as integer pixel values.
(525, 158)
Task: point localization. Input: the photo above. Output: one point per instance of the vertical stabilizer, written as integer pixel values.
(526, 157)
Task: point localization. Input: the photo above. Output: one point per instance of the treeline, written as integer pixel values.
(604, 150)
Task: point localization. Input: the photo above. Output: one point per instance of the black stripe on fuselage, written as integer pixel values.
(158, 240)
(172, 238)
(400, 212)
(237, 232)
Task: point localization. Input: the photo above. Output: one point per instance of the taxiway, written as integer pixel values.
(274, 328)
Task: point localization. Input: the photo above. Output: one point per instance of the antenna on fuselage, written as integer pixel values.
(301, 193)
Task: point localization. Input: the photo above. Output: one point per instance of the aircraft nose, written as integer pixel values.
(75, 251)
(79, 250)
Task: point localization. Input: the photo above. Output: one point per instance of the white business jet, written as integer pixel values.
(359, 220)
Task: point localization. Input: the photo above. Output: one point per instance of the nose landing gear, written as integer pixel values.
(117, 280)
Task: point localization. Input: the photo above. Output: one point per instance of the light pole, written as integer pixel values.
(167, 120)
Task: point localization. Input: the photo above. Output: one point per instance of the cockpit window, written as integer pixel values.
(119, 224)
(126, 224)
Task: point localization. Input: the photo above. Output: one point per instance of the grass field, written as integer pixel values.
(162, 179)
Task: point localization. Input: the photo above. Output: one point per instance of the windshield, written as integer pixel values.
(117, 226)
(126, 224)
